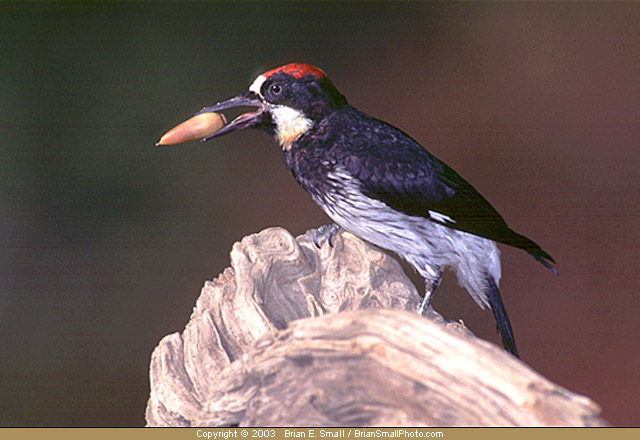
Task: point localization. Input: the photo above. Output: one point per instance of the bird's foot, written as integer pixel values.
(430, 288)
(325, 233)
(424, 305)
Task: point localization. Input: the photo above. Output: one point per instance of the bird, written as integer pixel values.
(375, 181)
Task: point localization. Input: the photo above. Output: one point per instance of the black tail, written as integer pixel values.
(545, 263)
(501, 317)
(530, 247)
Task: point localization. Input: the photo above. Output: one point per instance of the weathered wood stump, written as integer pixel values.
(292, 335)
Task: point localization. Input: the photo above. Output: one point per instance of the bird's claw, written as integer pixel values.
(325, 233)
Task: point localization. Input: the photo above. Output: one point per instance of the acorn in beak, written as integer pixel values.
(209, 123)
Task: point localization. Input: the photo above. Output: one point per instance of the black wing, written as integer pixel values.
(396, 170)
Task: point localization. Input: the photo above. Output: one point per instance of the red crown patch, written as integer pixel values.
(297, 70)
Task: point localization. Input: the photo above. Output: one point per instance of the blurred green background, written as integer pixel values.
(106, 240)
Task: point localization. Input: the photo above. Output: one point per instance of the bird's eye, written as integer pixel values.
(275, 89)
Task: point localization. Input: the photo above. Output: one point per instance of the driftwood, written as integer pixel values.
(258, 352)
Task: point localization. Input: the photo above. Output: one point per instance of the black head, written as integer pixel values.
(289, 100)
(301, 87)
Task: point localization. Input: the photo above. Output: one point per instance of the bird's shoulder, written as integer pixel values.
(386, 160)
(392, 167)
(387, 165)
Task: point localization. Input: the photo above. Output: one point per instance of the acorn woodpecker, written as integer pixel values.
(378, 183)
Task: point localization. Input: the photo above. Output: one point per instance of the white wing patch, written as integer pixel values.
(429, 246)
(440, 217)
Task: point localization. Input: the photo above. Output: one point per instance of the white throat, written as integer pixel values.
(290, 124)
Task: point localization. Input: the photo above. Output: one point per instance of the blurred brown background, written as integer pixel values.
(106, 240)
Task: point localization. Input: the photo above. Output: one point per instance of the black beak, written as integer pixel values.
(245, 120)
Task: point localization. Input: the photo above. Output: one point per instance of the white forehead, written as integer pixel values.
(257, 84)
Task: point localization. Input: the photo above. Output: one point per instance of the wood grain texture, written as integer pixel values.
(292, 335)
